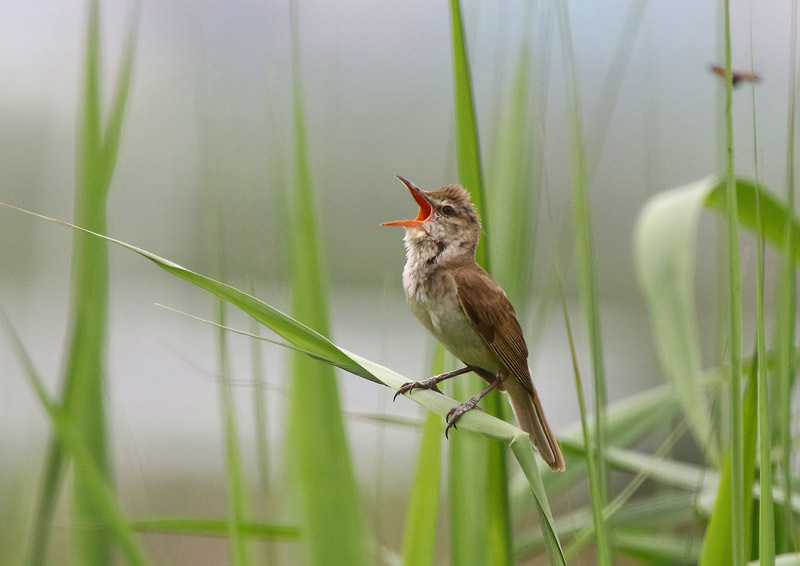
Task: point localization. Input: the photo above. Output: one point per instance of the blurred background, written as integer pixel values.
(208, 135)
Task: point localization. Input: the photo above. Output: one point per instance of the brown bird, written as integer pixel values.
(467, 311)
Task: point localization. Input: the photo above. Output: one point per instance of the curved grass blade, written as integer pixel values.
(97, 491)
(664, 251)
(303, 337)
(664, 246)
(665, 258)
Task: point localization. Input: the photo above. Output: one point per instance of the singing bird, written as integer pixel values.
(467, 311)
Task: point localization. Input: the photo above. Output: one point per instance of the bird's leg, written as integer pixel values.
(457, 411)
(431, 382)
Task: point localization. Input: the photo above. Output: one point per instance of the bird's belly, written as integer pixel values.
(441, 314)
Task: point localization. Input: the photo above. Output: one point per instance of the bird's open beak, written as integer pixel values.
(425, 208)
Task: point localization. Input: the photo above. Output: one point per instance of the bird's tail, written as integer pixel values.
(530, 416)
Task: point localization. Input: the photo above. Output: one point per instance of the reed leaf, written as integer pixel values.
(719, 546)
(301, 336)
(419, 539)
(665, 244)
(97, 492)
(480, 516)
(234, 477)
(84, 375)
(738, 455)
(664, 252)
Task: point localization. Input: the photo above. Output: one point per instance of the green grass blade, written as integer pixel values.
(84, 383)
(85, 378)
(468, 487)
(595, 478)
(512, 212)
(52, 476)
(203, 527)
(734, 339)
(467, 140)
(329, 498)
(97, 492)
(113, 129)
(96, 159)
(233, 461)
(480, 517)
(585, 260)
(297, 333)
(665, 244)
(304, 337)
(664, 248)
(523, 451)
(719, 548)
(261, 424)
(419, 540)
(786, 308)
(667, 509)
(766, 508)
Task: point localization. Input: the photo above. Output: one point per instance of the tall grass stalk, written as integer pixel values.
(261, 432)
(591, 455)
(480, 519)
(419, 538)
(787, 303)
(239, 554)
(320, 457)
(586, 268)
(766, 517)
(84, 376)
(735, 311)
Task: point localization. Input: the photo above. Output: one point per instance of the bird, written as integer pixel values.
(458, 302)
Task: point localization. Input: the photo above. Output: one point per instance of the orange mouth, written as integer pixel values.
(425, 208)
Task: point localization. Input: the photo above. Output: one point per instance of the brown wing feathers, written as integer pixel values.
(496, 321)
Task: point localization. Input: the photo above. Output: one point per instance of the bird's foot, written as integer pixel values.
(430, 383)
(458, 411)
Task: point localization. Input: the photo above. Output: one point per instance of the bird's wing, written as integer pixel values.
(486, 305)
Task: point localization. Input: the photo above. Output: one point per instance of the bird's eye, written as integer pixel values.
(448, 210)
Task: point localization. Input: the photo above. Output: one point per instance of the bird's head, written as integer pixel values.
(446, 216)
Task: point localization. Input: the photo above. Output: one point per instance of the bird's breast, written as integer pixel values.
(433, 297)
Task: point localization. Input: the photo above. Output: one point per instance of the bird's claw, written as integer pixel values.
(411, 385)
(458, 411)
